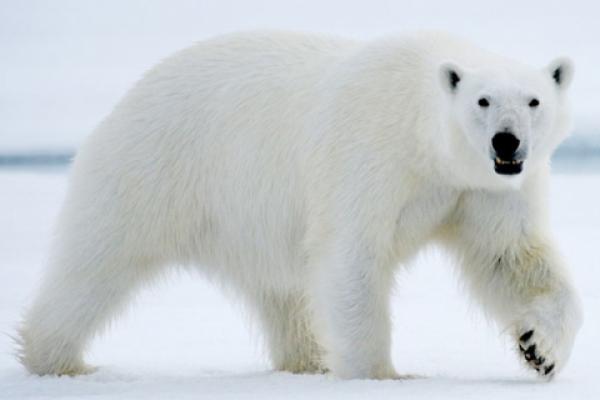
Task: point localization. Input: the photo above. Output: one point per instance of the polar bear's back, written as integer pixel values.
(199, 161)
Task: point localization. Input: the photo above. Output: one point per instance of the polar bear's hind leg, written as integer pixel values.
(91, 278)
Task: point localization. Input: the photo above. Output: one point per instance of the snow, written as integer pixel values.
(66, 63)
(184, 339)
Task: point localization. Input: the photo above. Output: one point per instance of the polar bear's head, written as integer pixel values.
(504, 121)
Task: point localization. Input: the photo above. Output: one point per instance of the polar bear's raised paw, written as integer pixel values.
(535, 355)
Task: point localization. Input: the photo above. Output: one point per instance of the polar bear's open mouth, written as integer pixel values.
(507, 167)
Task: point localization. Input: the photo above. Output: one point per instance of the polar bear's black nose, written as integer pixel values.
(505, 144)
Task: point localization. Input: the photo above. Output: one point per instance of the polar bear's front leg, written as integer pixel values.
(519, 277)
(351, 305)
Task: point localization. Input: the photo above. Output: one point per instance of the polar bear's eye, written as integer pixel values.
(483, 102)
(534, 103)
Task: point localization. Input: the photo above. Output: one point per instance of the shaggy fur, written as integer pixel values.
(301, 171)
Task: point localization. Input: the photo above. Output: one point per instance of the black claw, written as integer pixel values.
(530, 353)
(548, 369)
(521, 348)
(526, 336)
(540, 361)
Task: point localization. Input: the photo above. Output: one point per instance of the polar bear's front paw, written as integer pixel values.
(545, 334)
(537, 354)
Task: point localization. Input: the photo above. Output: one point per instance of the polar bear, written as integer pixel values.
(301, 171)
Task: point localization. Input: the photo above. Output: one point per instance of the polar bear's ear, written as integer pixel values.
(561, 71)
(450, 76)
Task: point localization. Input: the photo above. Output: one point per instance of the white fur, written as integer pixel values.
(300, 171)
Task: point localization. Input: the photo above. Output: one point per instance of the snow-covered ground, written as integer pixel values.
(183, 339)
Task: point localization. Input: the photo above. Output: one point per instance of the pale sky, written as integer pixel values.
(64, 64)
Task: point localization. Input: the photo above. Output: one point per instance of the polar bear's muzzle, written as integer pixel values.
(507, 160)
